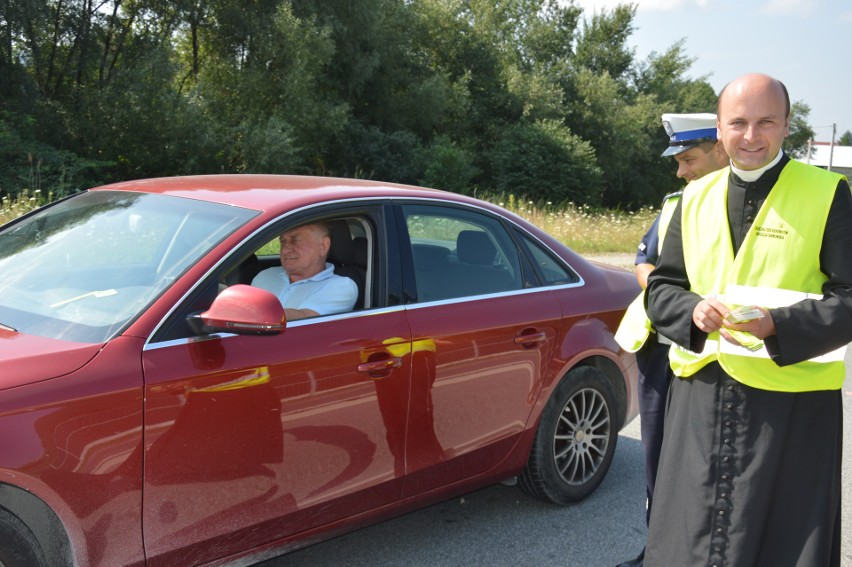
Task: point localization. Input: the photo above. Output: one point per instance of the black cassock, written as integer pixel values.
(751, 477)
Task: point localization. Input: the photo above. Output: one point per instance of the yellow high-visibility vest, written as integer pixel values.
(635, 327)
(777, 265)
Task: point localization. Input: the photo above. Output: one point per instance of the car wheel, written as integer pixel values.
(18, 546)
(575, 440)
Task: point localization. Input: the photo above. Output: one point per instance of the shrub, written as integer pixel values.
(546, 161)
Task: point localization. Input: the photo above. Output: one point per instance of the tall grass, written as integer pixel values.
(585, 230)
(13, 207)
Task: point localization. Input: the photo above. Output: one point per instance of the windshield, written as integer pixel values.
(83, 268)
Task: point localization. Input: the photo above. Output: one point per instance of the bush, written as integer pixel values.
(27, 164)
(369, 152)
(546, 161)
(447, 166)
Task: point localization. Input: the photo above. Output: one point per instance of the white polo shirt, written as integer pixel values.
(325, 292)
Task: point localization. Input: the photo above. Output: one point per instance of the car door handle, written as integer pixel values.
(531, 339)
(380, 365)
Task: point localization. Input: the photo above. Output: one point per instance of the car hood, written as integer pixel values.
(28, 358)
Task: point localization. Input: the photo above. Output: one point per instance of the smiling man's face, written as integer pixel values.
(697, 162)
(752, 121)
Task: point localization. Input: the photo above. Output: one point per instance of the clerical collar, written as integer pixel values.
(754, 175)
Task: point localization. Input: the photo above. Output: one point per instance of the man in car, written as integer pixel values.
(305, 283)
(693, 144)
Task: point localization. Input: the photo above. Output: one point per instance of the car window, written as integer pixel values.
(549, 270)
(83, 268)
(353, 242)
(350, 254)
(459, 253)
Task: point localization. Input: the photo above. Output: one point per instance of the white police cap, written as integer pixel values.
(688, 130)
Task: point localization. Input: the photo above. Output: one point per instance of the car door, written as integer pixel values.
(253, 438)
(482, 340)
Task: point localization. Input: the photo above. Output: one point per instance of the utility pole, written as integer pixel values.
(831, 151)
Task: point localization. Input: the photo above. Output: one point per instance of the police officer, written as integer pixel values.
(693, 144)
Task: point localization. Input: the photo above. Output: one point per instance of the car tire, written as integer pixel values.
(575, 440)
(18, 546)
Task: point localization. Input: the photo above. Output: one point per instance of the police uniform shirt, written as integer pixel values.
(649, 245)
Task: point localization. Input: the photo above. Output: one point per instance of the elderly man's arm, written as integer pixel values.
(336, 295)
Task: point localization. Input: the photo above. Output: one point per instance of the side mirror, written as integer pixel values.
(244, 310)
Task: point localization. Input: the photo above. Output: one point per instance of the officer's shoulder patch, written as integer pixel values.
(675, 195)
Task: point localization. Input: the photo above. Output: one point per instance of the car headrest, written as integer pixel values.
(429, 254)
(474, 247)
(359, 251)
(341, 250)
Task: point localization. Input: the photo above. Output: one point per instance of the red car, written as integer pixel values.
(156, 409)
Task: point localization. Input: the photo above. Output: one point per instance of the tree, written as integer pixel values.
(602, 46)
(259, 87)
(545, 161)
(526, 96)
(664, 75)
(448, 166)
(801, 132)
(845, 139)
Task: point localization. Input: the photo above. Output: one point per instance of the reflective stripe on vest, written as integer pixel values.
(787, 231)
(635, 327)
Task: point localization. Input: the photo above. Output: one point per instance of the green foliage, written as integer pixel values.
(260, 91)
(264, 147)
(447, 166)
(664, 77)
(845, 139)
(626, 136)
(602, 47)
(24, 202)
(30, 165)
(375, 154)
(528, 96)
(801, 133)
(546, 161)
(141, 125)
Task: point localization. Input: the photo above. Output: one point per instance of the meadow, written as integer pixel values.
(13, 207)
(581, 228)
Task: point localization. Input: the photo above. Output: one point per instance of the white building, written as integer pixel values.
(839, 158)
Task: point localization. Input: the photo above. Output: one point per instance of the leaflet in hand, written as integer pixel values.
(744, 314)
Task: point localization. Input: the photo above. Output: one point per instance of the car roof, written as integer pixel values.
(273, 193)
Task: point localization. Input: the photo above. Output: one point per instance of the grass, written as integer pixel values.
(585, 230)
(12, 208)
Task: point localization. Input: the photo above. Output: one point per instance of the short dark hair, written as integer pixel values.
(708, 145)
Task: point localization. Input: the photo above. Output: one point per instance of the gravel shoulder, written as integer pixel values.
(620, 259)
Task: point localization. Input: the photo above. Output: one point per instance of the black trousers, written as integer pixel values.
(655, 376)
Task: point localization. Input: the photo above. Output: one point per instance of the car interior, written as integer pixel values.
(471, 270)
(349, 256)
(348, 253)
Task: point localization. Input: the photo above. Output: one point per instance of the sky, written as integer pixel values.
(806, 44)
